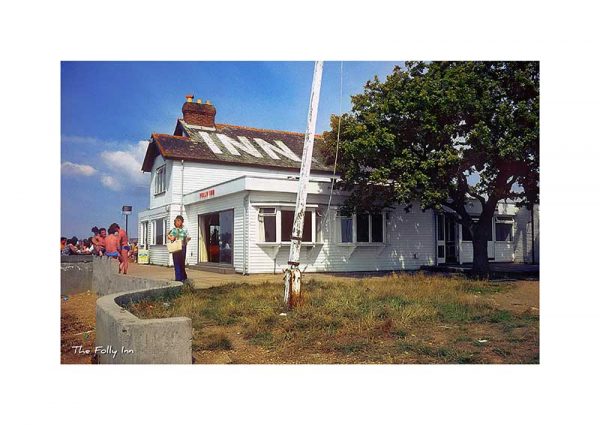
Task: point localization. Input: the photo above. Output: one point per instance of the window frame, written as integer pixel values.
(160, 180)
(261, 219)
(355, 241)
(145, 234)
(156, 233)
(278, 225)
(341, 238)
(504, 220)
(312, 224)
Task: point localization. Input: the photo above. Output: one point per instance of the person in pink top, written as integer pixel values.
(123, 247)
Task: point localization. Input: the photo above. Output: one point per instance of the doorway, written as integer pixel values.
(447, 244)
(451, 240)
(216, 237)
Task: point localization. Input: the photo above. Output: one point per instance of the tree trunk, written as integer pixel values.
(481, 235)
(481, 267)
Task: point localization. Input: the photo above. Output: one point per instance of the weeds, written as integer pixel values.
(370, 320)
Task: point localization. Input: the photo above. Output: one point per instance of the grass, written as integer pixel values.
(406, 318)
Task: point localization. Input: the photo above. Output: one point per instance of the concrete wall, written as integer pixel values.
(75, 274)
(122, 338)
(107, 280)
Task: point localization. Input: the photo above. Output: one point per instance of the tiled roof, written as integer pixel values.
(232, 144)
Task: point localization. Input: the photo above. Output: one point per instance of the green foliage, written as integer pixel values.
(420, 132)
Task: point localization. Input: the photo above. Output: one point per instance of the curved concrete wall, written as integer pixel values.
(122, 338)
(107, 280)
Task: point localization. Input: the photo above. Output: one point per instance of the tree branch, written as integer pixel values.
(476, 195)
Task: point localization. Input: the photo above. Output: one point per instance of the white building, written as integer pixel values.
(236, 189)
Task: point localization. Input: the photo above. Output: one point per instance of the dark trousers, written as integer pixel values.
(179, 263)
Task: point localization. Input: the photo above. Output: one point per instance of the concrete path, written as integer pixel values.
(200, 279)
(204, 279)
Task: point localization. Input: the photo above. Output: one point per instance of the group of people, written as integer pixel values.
(75, 246)
(113, 243)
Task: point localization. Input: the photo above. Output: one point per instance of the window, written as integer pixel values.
(287, 224)
(504, 230)
(346, 229)
(268, 224)
(160, 180)
(319, 226)
(270, 218)
(440, 228)
(145, 233)
(159, 231)
(362, 228)
(369, 228)
(377, 228)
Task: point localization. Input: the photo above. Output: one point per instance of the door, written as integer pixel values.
(226, 237)
(451, 239)
(441, 238)
(216, 237)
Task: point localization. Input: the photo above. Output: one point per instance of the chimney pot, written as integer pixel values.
(199, 101)
(208, 102)
(189, 97)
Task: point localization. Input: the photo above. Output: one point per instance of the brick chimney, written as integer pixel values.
(198, 113)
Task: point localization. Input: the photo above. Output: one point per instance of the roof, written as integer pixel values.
(233, 144)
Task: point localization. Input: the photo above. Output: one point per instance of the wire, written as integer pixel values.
(337, 145)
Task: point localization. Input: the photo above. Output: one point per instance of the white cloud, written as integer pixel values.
(70, 168)
(111, 183)
(128, 163)
(65, 138)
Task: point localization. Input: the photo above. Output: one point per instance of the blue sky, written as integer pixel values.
(110, 109)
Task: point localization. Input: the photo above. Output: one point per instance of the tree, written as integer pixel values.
(420, 134)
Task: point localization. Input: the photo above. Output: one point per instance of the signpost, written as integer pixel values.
(293, 276)
(126, 210)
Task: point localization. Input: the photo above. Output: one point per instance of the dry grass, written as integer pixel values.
(405, 318)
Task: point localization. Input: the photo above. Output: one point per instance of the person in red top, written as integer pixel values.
(123, 247)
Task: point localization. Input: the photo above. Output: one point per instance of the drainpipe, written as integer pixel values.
(181, 203)
(245, 236)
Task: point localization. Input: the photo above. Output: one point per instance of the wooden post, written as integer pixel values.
(293, 276)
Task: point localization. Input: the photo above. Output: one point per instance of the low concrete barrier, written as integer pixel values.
(107, 280)
(122, 338)
(75, 274)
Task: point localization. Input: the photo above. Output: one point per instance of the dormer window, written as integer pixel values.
(160, 180)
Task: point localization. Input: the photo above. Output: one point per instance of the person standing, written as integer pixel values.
(123, 248)
(111, 244)
(179, 232)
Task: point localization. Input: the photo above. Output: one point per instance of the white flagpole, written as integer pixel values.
(293, 276)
